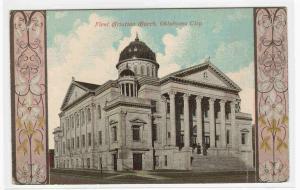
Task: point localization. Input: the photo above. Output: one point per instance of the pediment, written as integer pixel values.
(74, 93)
(137, 120)
(208, 74)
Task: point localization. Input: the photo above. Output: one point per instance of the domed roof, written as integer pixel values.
(137, 49)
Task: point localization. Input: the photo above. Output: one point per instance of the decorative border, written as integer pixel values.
(29, 97)
(272, 93)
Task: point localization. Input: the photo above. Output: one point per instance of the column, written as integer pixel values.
(186, 113)
(172, 118)
(212, 131)
(199, 119)
(234, 140)
(129, 89)
(163, 109)
(223, 124)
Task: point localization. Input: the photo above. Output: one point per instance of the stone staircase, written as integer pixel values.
(217, 163)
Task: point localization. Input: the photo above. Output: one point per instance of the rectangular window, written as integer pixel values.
(154, 132)
(90, 139)
(227, 136)
(136, 133)
(83, 140)
(100, 137)
(205, 113)
(73, 143)
(169, 135)
(68, 144)
(168, 107)
(77, 142)
(243, 138)
(166, 160)
(114, 133)
(153, 106)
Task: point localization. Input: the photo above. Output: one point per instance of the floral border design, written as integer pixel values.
(28, 67)
(272, 93)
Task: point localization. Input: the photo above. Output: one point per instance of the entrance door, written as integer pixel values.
(115, 161)
(137, 161)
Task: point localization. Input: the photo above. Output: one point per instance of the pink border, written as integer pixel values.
(272, 93)
(30, 141)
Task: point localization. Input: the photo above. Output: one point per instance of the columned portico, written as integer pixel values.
(223, 124)
(212, 123)
(172, 119)
(234, 131)
(186, 114)
(199, 119)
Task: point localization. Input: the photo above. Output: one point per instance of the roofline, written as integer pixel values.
(154, 62)
(195, 83)
(208, 64)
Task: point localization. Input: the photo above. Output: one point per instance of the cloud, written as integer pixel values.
(245, 79)
(237, 15)
(175, 50)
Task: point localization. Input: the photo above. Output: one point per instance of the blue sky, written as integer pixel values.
(220, 27)
(75, 47)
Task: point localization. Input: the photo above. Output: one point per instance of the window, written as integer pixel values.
(166, 160)
(227, 136)
(205, 75)
(114, 133)
(243, 138)
(142, 70)
(148, 71)
(100, 137)
(89, 115)
(90, 139)
(136, 133)
(77, 143)
(154, 132)
(153, 106)
(99, 111)
(205, 113)
(169, 135)
(135, 69)
(73, 143)
(68, 144)
(83, 140)
(207, 141)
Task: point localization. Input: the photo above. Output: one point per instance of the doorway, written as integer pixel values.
(137, 161)
(115, 162)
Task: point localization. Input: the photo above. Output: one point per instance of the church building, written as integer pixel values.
(139, 121)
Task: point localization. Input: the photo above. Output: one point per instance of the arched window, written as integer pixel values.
(153, 72)
(99, 111)
(142, 69)
(148, 71)
(135, 69)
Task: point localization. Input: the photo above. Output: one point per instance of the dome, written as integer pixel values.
(137, 49)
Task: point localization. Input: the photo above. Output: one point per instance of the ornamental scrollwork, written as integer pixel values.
(272, 93)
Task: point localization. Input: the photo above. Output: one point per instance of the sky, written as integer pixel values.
(78, 46)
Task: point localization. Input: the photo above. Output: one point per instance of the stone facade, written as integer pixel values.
(142, 122)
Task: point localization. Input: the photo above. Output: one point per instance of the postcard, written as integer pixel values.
(149, 96)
